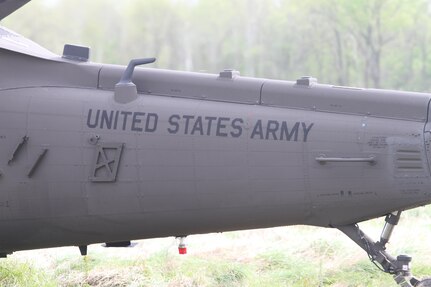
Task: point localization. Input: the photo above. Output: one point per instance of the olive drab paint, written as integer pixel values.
(111, 153)
(196, 125)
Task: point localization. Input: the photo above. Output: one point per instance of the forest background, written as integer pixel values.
(365, 43)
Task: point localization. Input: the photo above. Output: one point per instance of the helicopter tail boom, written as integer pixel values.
(7, 7)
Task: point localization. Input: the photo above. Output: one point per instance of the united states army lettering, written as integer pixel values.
(199, 125)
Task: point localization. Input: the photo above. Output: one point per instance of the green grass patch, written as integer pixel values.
(282, 269)
(361, 274)
(292, 257)
(15, 273)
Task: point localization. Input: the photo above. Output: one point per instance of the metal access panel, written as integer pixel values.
(427, 137)
(222, 87)
(106, 161)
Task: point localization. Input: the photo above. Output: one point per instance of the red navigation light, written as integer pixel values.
(182, 248)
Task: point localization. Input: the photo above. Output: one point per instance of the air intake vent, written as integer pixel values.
(408, 160)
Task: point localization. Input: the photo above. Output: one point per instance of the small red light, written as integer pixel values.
(182, 250)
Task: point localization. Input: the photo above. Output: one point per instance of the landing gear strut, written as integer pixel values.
(399, 267)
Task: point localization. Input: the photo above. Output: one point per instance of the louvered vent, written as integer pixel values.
(408, 160)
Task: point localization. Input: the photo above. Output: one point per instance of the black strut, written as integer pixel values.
(399, 267)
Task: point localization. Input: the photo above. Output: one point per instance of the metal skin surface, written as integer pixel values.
(194, 153)
(9, 6)
(181, 177)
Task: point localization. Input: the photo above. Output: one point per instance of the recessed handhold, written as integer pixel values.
(37, 162)
(18, 147)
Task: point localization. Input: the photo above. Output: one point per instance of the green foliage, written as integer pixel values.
(371, 43)
(421, 270)
(300, 256)
(14, 273)
(361, 274)
(288, 270)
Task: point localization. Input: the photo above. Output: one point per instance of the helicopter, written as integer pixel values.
(93, 152)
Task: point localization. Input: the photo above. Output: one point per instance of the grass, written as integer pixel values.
(16, 273)
(299, 256)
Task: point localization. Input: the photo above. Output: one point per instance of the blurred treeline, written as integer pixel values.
(367, 43)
